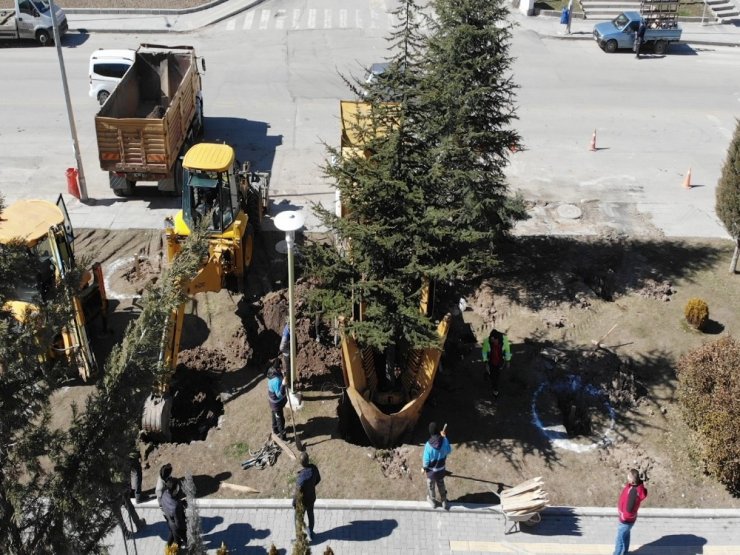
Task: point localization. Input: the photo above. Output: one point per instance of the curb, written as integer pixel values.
(144, 11)
(422, 506)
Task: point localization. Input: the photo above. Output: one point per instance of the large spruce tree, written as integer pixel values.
(728, 194)
(423, 193)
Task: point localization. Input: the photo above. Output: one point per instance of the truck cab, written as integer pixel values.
(31, 19)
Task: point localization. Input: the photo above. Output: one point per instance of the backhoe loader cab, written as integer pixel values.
(45, 231)
(233, 198)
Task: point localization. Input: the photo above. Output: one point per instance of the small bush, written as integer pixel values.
(697, 313)
(709, 393)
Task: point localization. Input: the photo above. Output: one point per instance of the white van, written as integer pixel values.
(106, 69)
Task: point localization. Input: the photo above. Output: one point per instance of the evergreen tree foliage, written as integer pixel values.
(300, 545)
(728, 194)
(60, 489)
(195, 529)
(422, 189)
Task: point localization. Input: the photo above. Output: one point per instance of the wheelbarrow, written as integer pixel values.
(522, 504)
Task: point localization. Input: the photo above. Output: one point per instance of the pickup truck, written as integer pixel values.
(31, 19)
(620, 33)
(151, 119)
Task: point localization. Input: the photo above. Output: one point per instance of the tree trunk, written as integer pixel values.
(733, 264)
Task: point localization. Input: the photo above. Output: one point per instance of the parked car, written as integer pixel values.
(107, 68)
(31, 19)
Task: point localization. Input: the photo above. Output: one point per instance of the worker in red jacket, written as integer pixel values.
(632, 495)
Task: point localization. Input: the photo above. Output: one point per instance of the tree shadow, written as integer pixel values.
(712, 327)
(359, 531)
(564, 522)
(236, 536)
(676, 544)
(206, 485)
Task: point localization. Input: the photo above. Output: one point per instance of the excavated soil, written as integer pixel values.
(555, 297)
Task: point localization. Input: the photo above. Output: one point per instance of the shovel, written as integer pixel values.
(298, 443)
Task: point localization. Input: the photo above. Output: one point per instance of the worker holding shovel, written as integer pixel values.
(435, 455)
(277, 397)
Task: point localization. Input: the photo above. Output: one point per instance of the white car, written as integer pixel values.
(107, 67)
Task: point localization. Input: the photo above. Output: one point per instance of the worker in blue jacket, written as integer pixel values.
(435, 456)
(276, 396)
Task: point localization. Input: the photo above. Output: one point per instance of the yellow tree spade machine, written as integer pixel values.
(230, 200)
(385, 415)
(44, 229)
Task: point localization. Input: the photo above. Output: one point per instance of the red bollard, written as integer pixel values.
(72, 186)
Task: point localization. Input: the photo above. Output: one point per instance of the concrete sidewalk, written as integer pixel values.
(401, 527)
(183, 21)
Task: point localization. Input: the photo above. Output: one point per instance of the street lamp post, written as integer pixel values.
(70, 114)
(290, 222)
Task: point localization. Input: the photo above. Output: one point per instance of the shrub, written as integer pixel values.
(709, 393)
(697, 313)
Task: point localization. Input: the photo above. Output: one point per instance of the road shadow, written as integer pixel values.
(675, 544)
(359, 531)
(161, 529)
(250, 139)
(236, 536)
(565, 523)
(73, 40)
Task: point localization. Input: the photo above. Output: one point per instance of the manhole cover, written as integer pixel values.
(569, 211)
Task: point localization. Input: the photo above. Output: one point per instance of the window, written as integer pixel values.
(26, 7)
(115, 70)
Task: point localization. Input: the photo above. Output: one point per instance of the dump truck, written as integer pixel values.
(31, 19)
(44, 229)
(233, 199)
(151, 119)
(661, 27)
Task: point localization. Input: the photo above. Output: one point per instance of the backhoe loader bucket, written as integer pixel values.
(156, 418)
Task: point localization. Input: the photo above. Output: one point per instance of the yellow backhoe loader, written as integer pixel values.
(45, 230)
(233, 199)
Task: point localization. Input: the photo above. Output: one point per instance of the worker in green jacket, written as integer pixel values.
(496, 351)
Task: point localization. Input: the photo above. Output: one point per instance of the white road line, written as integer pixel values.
(231, 25)
(311, 19)
(279, 19)
(296, 18)
(358, 19)
(342, 19)
(264, 19)
(248, 20)
(327, 19)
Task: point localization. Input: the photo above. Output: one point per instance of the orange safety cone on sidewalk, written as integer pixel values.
(592, 147)
(687, 180)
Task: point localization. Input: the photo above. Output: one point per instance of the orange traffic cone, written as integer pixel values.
(592, 147)
(687, 180)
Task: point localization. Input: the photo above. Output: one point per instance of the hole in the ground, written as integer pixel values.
(196, 407)
(350, 427)
(572, 414)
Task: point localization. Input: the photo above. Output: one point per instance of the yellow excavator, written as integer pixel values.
(233, 199)
(45, 230)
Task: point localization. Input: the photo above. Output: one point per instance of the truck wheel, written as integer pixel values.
(177, 178)
(611, 46)
(661, 47)
(201, 119)
(43, 37)
(103, 96)
(121, 186)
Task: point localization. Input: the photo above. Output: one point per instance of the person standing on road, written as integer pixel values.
(276, 395)
(640, 37)
(633, 493)
(305, 488)
(435, 455)
(496, 353)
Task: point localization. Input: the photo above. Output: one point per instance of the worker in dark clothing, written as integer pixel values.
(136, 476)
(496, 353)
(174, 513)
(285, 347)
(305, 487)
(276, 396)
(435, 456)
(640, 38)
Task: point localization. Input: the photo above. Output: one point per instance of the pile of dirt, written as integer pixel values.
(662, 290)
(394, 462)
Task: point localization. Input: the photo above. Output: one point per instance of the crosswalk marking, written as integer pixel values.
(248, 21)
(264, 19)
(313, 18)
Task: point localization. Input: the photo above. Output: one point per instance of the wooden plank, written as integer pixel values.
(284, 446)
(524, 486)
(529, 505)
(534, 494)
(237, 487)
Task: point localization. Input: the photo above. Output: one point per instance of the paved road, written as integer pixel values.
(272, 88)
(401, 527)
